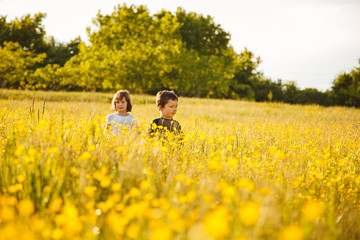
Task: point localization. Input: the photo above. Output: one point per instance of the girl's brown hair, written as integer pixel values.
(120, 95)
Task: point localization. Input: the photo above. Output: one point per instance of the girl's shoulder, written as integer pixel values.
(112, 115)
(131, 116)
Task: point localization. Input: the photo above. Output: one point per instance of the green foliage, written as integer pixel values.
(45, 78)
(87, 69)
(313, 96)
(59, 53)
(125, 24)
(245, 75)
(264, 86)
(15, 64)
(27, 31)
(200, 33)
(346, 88)
(4, 30)
(132, 49)
(290, 91)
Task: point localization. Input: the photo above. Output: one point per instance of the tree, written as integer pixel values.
(245, 75)
(346, 88)
(60, 53)
(263, 88)
(200, 76)
(46, 78)
(27, 31)
(15, 65)
(144, 53)
(4, 31)
(313, 96)
(123, 25)
(132, 46)
(200, 33)
(290, 92)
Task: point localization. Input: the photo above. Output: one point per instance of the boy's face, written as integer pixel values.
(169, 110)
(121, 105)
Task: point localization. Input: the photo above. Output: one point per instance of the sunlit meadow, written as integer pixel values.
(243, 170)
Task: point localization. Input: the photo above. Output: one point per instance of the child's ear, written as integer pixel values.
(160, 108)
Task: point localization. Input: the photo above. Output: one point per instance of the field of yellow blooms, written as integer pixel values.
(243, 170)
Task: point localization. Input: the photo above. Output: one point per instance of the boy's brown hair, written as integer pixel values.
(120, 95)
(164, 96)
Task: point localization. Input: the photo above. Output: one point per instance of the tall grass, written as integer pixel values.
(243, 170)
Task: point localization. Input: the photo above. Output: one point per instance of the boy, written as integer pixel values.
(167, 103)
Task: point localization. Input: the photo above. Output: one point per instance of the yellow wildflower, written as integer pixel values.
(145, 185)
(84, 156)
(133, 231)
(292, 232)
(249, 213)
(246, 184)
(7, 213)
(105, 182)
(216, 222)
(19, 150)
(312, 211)
(90, 190)
(53, 150)
(116, 187)
(161, 233)
(20, 178)
(208, 197)
(26, 207)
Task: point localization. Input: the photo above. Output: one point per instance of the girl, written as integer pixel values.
(121, 103)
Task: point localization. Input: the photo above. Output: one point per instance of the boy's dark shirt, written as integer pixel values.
(171, 125)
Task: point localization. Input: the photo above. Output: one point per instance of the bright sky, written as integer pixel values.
(306, 41)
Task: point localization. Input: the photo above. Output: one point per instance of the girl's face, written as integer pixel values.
(121, 105)
(169, 110)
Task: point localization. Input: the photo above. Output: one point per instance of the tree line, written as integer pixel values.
(142, 52)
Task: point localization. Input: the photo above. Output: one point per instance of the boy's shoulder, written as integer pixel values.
(156, 120)
(175, 121)
(160, 120)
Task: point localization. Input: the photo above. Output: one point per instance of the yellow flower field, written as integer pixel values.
(243, 170)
